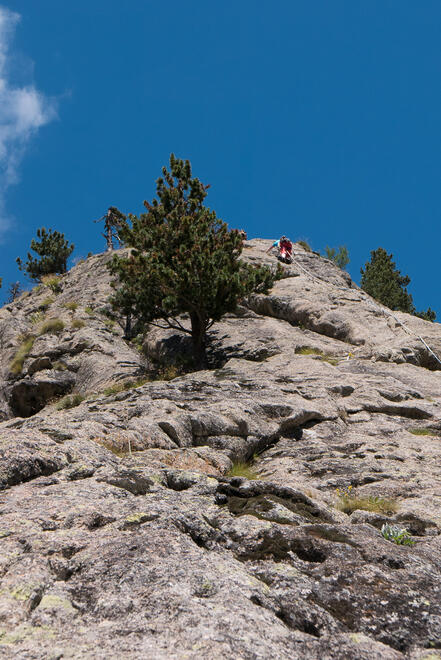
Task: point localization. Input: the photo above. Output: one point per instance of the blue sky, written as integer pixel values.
(320, 120)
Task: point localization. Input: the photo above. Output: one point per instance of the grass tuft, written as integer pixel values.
(331, 360)
(53, 282)
(242, 469)
(127, 385)
(37, 318)
(70, 401)
(305, 245)
(307, 350)
(24, 349)
(59, 366)
(46, 303)
(118, 444)
(78, 323)
(88, 310)
(169, 372)
(71, 306)
(348, 502)
(118, 387)
(51, 326)
(165, 373)
(424, 431)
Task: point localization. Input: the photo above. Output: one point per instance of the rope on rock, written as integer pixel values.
(383, 310)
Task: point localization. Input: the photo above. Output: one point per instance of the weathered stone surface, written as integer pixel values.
(90, 347)
(25, 456)
(320, 298)
(29, 395)
(123, 533)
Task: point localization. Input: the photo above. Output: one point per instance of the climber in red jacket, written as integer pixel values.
(284, 246)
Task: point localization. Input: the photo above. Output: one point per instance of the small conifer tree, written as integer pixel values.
(384, 282)
(428, 315)
(53, 250)
(184, 260)
(340, 257)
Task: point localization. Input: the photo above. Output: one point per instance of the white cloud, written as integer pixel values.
(23, 110)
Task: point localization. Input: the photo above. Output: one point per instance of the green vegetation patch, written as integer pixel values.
(23, 351)
(70, 401)
(164, 373)
(242, 469)
(169, 372)
(396, 534)
(46, 303)
(71, 306)
(52, 282)
(26, 632)
(137, 519)
(119, 444)
(125, 386)
(425, 431)
(51, 602)
(348, 502)
(22, 592)
(305, 245)
(51, 326)
(59, 366)
(37, 318)
(383, 281)
(78, 323)
(340, 257)
(308, 350)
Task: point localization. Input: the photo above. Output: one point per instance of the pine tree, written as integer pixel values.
(53, 250)
(184, 261)
(384, 282)
(340, 257)
(428, 315)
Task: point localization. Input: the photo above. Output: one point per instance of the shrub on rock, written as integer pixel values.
(53, 250)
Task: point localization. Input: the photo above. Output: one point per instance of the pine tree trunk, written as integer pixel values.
(128, 328)
(109, 238)
(198, 336)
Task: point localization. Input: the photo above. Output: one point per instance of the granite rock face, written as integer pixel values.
(87, 353)
(123, 532)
